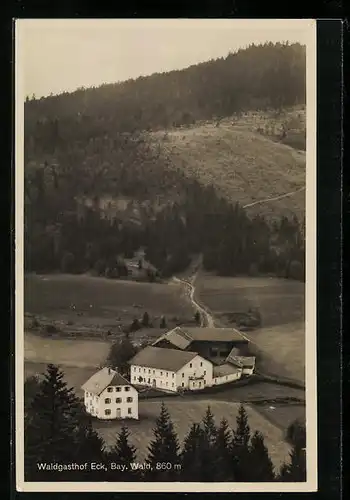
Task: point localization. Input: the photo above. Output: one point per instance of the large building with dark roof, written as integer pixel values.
(192, 359)
(214, 344)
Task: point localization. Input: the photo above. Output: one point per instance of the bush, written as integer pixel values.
(52, 329)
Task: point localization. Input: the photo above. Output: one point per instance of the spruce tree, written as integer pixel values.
(209, 426)
(192, 454)
(240, 446)
(163, 451)
(223, 457)
(123, 454)
(56, 428)
(208, 452)
(295, 470)
(261, 467)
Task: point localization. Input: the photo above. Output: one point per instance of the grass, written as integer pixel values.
(280, 342)
(183, 413)
(243, 164)
(101, 303)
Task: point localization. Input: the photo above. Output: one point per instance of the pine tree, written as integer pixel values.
(197, 317)
(240, 446)
(123, 454)
(209, 426)
(54, 426)
(223, 457)
(163, 451)
(295, 470)
(145, 319)
(261, 467)
(192, 455)
(209, 457)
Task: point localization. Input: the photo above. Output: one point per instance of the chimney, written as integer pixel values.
(109, 371)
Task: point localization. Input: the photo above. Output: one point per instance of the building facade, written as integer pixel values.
(170, 369)
(108, 395)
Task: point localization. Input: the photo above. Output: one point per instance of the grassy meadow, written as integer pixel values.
(183, 412)
(280, 342)
(102, 303)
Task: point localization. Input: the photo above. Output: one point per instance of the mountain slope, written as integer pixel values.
(242, 165)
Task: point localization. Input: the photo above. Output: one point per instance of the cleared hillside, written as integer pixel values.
(244, 164)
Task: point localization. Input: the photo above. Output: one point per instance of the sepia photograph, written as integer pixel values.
(165, 255)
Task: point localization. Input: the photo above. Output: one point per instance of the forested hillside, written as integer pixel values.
(89, 152)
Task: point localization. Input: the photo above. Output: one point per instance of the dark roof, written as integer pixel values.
(225, 369)
(162, 358)
(210, 334)
(103, 379)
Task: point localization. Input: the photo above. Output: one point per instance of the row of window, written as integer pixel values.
(145, 370)
(108, 412)
(140, 380)
(117, 400)
(118, 389)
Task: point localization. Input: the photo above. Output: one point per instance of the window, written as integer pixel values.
(166, 384)
(144, 370)
(173, 375)
(167, 374)
(139, 369)
(201, 363)
(129, 400)
(118, 389)
(118, 400)
(135, 378)
(127, 388)
(154, 372)
(109, 389)
(183, 385)
(107, 401)
(107, 412)
(149, 371)
(183, 375)
(161, 373)
(173, 384)
(226, 377)
(129, 411)
(205, 372)
(190, 365)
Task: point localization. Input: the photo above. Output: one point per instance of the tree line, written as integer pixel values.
(232, 243)
(59, 431)
(257, 77)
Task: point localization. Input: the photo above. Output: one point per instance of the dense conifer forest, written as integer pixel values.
(93, 145)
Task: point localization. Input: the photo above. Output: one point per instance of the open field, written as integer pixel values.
(102, 303)
(280, 342)
(74, 376)
(183, 412)
(243, 158)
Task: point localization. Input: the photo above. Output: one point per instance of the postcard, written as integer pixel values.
(165, 255)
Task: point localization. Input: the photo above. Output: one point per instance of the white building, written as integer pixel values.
(170, 369)
(223, 374)
(108, 395)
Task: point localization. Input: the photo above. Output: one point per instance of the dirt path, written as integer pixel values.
(275, 198)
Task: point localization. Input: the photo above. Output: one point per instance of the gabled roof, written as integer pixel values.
(225, 369)
(182, 337)
(102, 379)
(241, 361)
(176, 337)
(162, 358)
